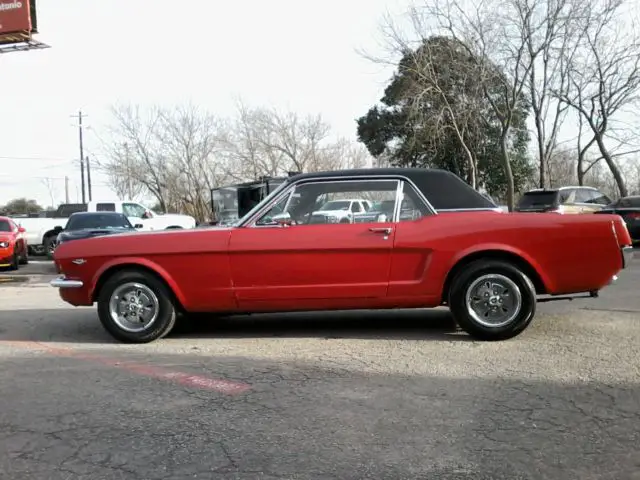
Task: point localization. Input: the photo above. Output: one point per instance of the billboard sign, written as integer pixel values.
(15, 17)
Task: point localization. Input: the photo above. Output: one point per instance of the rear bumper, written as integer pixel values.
(627, 256)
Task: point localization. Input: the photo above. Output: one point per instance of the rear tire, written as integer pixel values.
(492, 300)
(136, 307)
(24, 258)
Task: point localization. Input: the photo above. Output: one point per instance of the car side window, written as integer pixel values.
(106, 207)
(583, 196)
(133, 210)
(567, 197)
(331, 202)
(412, 206)
(598, 198)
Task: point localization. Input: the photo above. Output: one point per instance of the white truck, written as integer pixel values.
(41, 231)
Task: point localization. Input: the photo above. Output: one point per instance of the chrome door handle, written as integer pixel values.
(385, 230)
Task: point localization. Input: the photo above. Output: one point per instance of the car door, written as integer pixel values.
(312, 261)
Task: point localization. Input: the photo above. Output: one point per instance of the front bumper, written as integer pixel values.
(627, 256)
(63, 282)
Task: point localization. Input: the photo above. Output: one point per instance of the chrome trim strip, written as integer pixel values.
(249, 222)
(62, 282)
(627, 256)
(398, 205)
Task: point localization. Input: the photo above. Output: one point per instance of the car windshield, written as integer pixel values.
(80, 222)
(536, 199)
(4, 226)
(335, 205)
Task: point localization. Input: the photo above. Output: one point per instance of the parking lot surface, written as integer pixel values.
(380, 395)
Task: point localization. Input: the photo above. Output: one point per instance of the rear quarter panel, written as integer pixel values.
(574, 253)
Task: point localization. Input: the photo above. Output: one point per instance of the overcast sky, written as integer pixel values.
(293, 54)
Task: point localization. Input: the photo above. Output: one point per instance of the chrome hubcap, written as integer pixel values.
(133, 307)
(493, 300)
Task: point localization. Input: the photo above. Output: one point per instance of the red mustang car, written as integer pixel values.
(442, 243)
(13, 244)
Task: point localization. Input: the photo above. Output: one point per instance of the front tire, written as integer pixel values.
(136, 307)
(50, 246)
(492, 300)
(15, 262)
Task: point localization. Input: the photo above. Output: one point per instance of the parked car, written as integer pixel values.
(95, 224)
(563, 200)
(488, 267)
(42, 231)
(629, 209)
(13, 244)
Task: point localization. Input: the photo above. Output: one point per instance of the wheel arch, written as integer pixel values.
(513, 258)
(140, 265)
(49, 233)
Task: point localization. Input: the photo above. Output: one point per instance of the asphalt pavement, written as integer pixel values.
(357, 395)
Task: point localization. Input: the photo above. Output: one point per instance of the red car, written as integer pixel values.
(13, 244)
(453, 250)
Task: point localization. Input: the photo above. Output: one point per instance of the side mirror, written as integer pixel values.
(58, 228)
(138, 225)
(21, 229)
(146, 215)
(284, 222)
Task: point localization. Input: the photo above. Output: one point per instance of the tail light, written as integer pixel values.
(632, 215)
(620, 232)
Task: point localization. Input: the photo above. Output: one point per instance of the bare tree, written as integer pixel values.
(51, 190)
(265, 141)
(492, 32)
(134, 151)
(175, 154)
(437, 106)
(603, 69)
(547, 29)
(193, 152)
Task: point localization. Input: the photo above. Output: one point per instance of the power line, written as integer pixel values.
(34, 158)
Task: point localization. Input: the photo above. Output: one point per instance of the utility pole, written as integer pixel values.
(84, 200)
(88, 176)
(80, 117)
(66, 189)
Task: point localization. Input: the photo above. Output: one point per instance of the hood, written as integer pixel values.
(91, 232)
(146, 243)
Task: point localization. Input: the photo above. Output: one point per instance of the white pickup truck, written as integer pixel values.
(42, 231)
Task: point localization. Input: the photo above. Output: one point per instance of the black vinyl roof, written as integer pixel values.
(443, 189)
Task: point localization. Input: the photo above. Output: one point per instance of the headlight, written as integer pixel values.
(332, 219)
(4, 244)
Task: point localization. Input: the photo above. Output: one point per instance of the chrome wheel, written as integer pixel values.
(133, 307)
(493, 300)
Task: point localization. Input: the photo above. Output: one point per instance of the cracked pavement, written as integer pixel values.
(357, 395)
